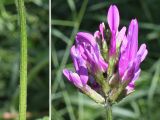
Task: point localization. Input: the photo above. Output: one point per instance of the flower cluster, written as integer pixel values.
(107, 64)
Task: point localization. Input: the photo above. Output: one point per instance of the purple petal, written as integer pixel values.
(93, 83)
(121, 35)
(103, 64)
(136, 75)
(132, 38)
(113, 21)
(144, 55)
(67, 74)
(86, 38)
(97, 35)
(130, 88)
(131, 85)
(101, 28)
(80, 64)
(91, 60)
(142, 52)
(129, 48)
(76, 80)
(112, 48)
(89, 56)
(81, 50)
(74, 54)
(123, 61)
(113, 18)
(122, 66)
(95, 60)
(73, 78)
(129, 73)
(83, 72)
(137, 62)
(124, 45)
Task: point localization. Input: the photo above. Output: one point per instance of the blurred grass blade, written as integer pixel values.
(72, 5)
(154, 84)
(54, 57)
(60, 35)
(37, 68)
(124, 113)
(62, 23)
(80, 107)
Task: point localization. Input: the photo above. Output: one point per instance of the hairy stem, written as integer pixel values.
(108, 112)
(23, 61)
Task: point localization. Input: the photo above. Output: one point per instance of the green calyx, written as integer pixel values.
(104, 50)
(101, 80)
(93, 95)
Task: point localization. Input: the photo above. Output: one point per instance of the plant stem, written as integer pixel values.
(23, 61)
(109, 112)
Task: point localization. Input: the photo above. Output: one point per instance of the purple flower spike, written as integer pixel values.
(107, 64)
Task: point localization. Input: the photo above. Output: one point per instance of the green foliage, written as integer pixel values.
(44, 118)
(71, 16)
(37, 28)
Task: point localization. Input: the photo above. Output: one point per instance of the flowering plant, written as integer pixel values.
(107, 64)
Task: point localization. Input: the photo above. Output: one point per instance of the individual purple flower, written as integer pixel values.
(117, 36)
(131, 57)
(80, 78)
(113, 22)
(101, 30)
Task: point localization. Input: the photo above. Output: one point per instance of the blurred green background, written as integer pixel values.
(71, 16)
(38, 80)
